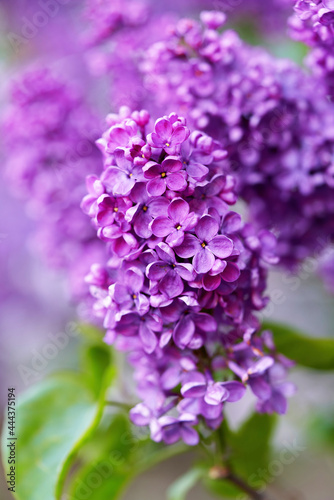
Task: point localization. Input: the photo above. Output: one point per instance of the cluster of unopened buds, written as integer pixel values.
(184, 277)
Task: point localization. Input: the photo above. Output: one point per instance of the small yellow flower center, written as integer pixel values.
(163, 174)
(145, 208)
(203, 244)
(257, 351)
(134, 296)
(178, 227)
(143, 156)
(130, 175)
(167, 144)
(115, 209)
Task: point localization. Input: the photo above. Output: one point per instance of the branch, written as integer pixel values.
(117, 404)
(240, 483)
(223, 473)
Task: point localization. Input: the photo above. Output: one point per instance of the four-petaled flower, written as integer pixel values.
(168, 136)
(168, 272)
(206, 245)
(172, 429)
(121, 178)
(168, 174)
(174, 226)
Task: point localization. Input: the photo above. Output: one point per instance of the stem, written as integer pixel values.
(117, 404)
(223, 473)
(240, 483)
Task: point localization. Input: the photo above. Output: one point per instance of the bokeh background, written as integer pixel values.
(35, 304)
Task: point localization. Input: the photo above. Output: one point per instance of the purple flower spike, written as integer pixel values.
(206, 246)
(179, 220)
(184, 275)
(165, 175)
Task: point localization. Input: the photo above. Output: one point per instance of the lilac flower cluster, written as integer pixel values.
(107, 17)
(313, 24)
(117, 35)
(268, 114)
(184, 278)
(52, 133)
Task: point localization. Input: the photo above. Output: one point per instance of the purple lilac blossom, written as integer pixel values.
(53, 132)
(313, 24)
(184, 279)
(117, 35)
(273, 119)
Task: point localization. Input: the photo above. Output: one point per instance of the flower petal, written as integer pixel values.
(147, 337)
(157, 270)
(161, 226)
(216, 394)
(176, 181)
(152, 170)
(203, 261)
(179, 135)
(260, 387)
(184, 332)
(211, 283)
(171, 164)
(221, 246)
(156, 186)
(171, 285)
(207, 228)
(189, 247)
(189, 435)
(178, 210)
(163, 128)
(236, 390)
(197, 171)
(231, 272)
(186, 271)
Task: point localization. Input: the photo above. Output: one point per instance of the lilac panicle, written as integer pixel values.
(185, 275)
(313, 24)
(52, 132)
(273, 119)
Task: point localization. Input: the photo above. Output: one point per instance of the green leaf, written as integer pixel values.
(316, 353)
(251, 445)
(181, 487)
(321, 428)
(105, 461)
(97, 361)
(113, 457)
(52, 419)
